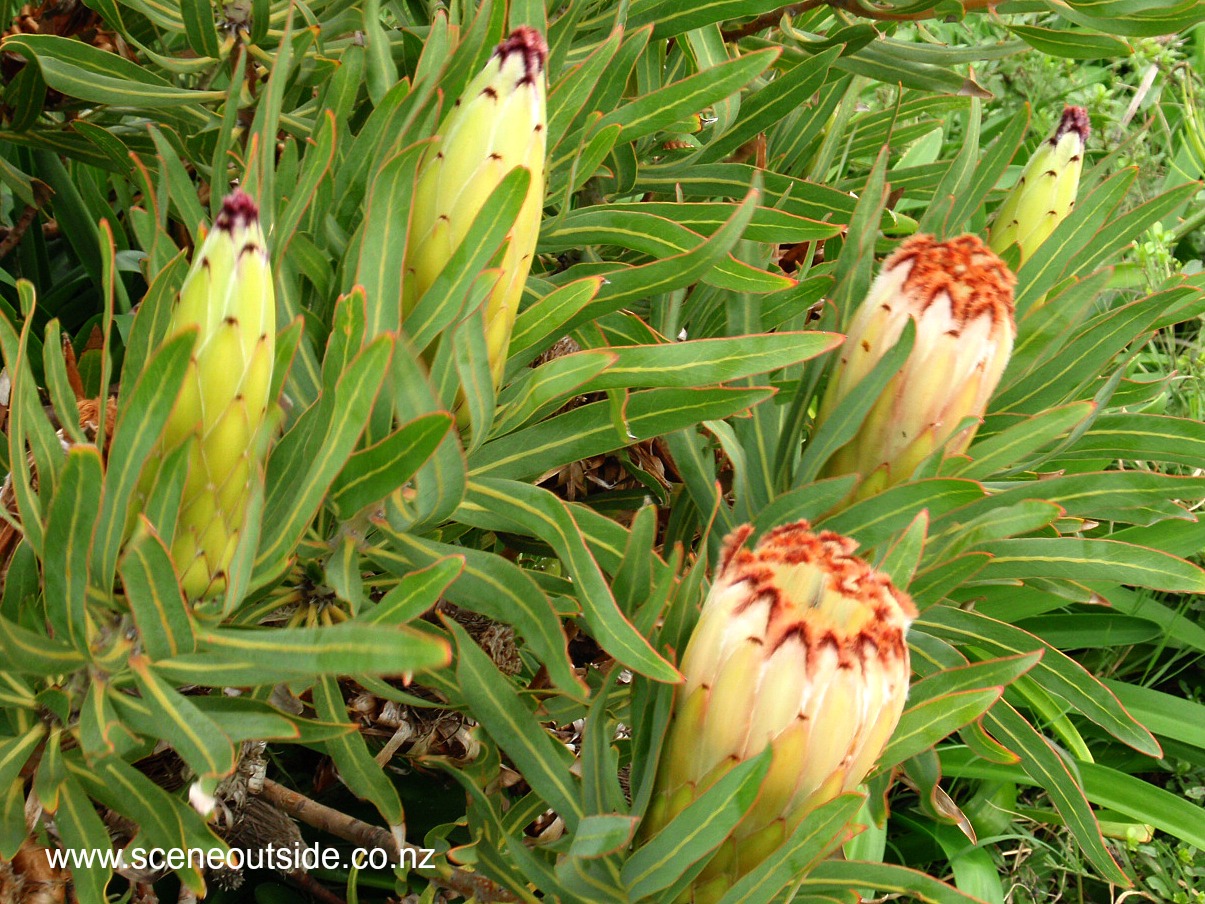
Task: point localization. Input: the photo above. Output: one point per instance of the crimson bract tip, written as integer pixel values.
(531, 44)
(1075, 119)
(238, 209)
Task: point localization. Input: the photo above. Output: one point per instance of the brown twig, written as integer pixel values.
(856, 7)
(13, 238)
(860, 8)
(320, 816)
(770, 19)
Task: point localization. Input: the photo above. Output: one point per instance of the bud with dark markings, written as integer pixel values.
(498, 123)
(800, 647)
(960, 296)
(228, 295)
(1045, 193)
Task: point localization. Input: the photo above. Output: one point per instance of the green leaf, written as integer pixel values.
(1006, 452)
(603, 834)
(80, 70)
(670, 17)
(165, 820)
(140, 424)
(1055, 672)
(813, 839)
(657, 237)
(1137, 437)
(542, 390)
(1085, 559)
(542, 321)
(373, 473)
(442, 304)
(153, 591)
(357, 768)
(538, 512)
(498, 589)
(200, 27)
(924, 724)
(345, 649)
(496, 704)
(1165, 714)
(33, 653)
(660, 109)
(1042, 762)
(175, 719)
(628, 285)
(885, 878)
(415, 593)
(699, 362)
(297, 482)
(82, 830)
(697, 831)
(1071, 43)
(590, 429)
(873, 520)
(383, 239)
(15, 753)
(843, 424)
(69, 525)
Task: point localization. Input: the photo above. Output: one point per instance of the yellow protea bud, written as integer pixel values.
(800, 647)
(961, 297)
(1045, 193)
(498, 123)
(228, 296)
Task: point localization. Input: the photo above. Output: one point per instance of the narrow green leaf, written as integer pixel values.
(139, 426)
(590, 430)
(344, 649)
(415, 593)
(1090, 559)
(1056, 672)
(69, 525)
(363, 775)
(153, 591)
(813, 839)
(496, 704)
(177, 720)
(702, 361)
(924, 724)
(373, 473)
(697, 831)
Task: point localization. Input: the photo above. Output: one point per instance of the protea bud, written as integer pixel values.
(1045, 193)
(961, 297)
(800, 647)
(228, 296)
(498, 123)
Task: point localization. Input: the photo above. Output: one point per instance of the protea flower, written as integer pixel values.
(961, 297)
(799, 647)
(228, 296)
(498, 123)
(1045, 193)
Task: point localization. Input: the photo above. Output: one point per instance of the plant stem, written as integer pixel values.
(320, 816)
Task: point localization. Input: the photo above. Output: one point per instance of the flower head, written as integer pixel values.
(960, 296)
(800, 647)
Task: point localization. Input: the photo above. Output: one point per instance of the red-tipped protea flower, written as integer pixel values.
(228, 296)
(498, 123)
(961, 297)
(1045, 193)
(800, 647)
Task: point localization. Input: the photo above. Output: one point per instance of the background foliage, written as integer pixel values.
(476, 632)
